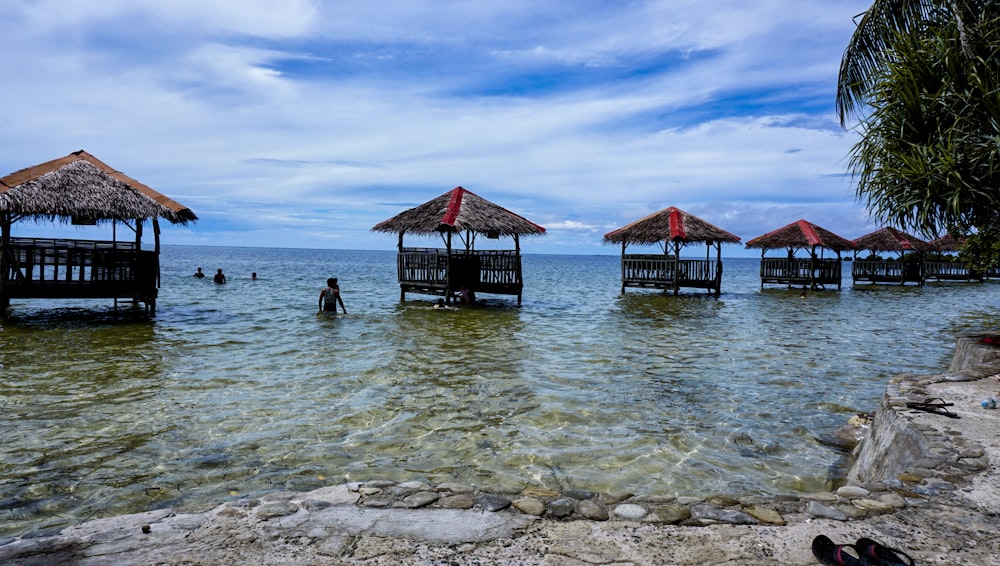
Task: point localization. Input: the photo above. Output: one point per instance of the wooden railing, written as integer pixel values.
(948, 271)
(800, 271)
(667, 272)
(62, 268)
(487, 270)
(422, 265)
(883, 271)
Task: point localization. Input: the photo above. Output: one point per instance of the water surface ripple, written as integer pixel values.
(241, 389)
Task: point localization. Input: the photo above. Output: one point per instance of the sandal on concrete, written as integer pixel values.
(868, 548)
(834, 554)
(934, 405)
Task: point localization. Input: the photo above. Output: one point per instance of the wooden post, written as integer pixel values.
(517, 258)
(5, 222)
(399, 267)
(447, 269)
(623, 266)
(718, 272)
(677, 265)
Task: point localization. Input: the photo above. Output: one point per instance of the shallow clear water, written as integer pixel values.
(241, 389)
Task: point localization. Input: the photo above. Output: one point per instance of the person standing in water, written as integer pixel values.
(219, 277)
(329, 297)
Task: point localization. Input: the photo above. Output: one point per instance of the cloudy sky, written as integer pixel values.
(303, 123)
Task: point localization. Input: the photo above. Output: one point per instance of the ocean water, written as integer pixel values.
(237, 390)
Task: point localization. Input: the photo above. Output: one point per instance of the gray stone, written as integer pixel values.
(592, 510)
(820, 496)
(419, 499)
(817, 509)
(705, 513)
(631, 511)
(561, 507)
(973, 464)
(613, 499)
(378, 501)
(416, 485)
(492, 502)
(765, 515)
(672, 513)
(852, 492)
(893, 499)
(529, 506)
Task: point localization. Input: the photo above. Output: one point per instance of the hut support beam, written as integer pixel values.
(5, 222)
(623, 266)
(520, 277)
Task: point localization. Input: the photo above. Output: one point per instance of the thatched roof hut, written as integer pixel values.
(446, 271)
(947, 243)
(79, 187)
(801, 234)
(460, 210)
(890, 240)
(671, 225)
(673, 228)
(813, 272)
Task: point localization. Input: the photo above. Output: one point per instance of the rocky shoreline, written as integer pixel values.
(921, 481)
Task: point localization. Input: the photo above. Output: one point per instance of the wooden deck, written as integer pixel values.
(949, 271)
(812, 273)
(881, 271)
(39, 268)
(658, 271)
(433, 271)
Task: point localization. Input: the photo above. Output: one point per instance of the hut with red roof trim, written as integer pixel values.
(813, 272)
(446, 271)
(672, 229)
(907, 267)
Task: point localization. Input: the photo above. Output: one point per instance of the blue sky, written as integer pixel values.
(298, 123)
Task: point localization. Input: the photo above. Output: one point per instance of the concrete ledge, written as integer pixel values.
(926, 448)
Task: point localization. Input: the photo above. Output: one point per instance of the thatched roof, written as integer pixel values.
(459, 210)
(670, 224)
(890, 240)
(82, 187)
(947, 243)
(800, 234)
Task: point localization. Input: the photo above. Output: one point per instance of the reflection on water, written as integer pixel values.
(241, 389)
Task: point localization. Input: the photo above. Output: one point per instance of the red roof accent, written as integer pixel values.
(677, 225)
(809, 233)
(454, 206)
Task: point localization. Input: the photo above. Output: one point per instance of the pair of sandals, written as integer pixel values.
(864, 552)
(934, 405)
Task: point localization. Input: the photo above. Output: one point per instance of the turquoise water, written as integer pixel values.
(241, 389)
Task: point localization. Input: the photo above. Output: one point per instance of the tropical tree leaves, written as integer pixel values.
(929, 156)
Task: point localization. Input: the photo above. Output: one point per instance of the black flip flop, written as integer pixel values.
(868, 548)
(834, 554)
(934, 405)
